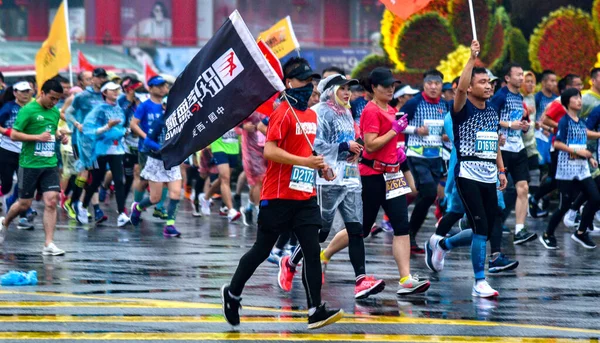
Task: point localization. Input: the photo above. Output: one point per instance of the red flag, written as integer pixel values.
(83, 62)
(271, 57)
(405, 8)
(148, 72)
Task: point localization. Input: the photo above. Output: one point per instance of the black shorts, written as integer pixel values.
(42, 179)
(516, 164)
(282, 215)
(426, 170)
(533, 162)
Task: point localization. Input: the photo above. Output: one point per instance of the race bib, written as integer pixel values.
(45, 149)
(351, 174)
(302, 179)
(230, 137)
(395, 185)
(575, 159)
(486, 145)
(260, 139)
(436, 128)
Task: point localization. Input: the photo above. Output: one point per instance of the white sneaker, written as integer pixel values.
(52, 250)
(82, 214)
(122, 220)
(2, 230)
(597, 221)
(569, 218)
(438, 254)
(482, 289)
(205, 205)
(233, 215)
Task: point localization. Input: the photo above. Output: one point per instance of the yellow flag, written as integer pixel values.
(281, 38)
(55, 53)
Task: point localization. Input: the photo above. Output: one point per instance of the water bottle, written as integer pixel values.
(17, 278)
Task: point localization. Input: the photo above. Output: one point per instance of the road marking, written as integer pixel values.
(242, 336)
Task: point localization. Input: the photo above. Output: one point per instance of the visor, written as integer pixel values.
(156, 81)
(22, 86)
(110, 86)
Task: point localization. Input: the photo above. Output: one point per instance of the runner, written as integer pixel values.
(101, 143)
(336, 141)
(514, 122)
(475, 125)
(573, 172)
(424, 154)
(145, 115)
(255, 166)
(158, 177)
(529, 138)
(36, 126)
(288, 199)
(591, 97)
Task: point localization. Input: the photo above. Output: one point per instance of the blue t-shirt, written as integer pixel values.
(511, 109)
(421, 112)
(541, 101)
(574, 135)
(147, 112)
(593, 124)
(8, 115)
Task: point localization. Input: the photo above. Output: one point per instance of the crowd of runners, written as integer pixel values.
(474, 149)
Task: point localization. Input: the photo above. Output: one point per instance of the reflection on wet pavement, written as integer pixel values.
(133, 284)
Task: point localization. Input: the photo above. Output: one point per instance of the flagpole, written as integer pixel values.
(472, 20)
(66, 2)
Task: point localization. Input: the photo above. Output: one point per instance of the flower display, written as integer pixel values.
(454, 63)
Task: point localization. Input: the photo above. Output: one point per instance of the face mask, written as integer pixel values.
(299, 97)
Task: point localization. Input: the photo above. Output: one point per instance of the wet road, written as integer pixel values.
(117, 285)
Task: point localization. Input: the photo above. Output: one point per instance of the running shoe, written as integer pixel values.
(231, 306)
(505, 230)
(135, 214)
(482, 289)
(570, 218)
(2, 230)
(24, 224)
(10, 201)
(68, 207)
(52, 250)
(247, 216)
(233, 215)
(63, 199)
(171, 231)
(99, 216)
(583, 239)
(416, 249)
(324, 316)
(386, 226)
(434, 254)
(463, 223)
(375, 230)
(501, 264)
(412, 285)
(324, 263)
(534, 209)
(31, 214)
(160, 213)
(81, 213)
(123, 220)
(223, 210)
(274, 257)
(197, 210)
(367, 286)
(286, 274)
(188, 192)
(524, 236)
(204, 205)
(549, 242)
(102, 194)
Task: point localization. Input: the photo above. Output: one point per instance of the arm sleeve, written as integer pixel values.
(563, 128)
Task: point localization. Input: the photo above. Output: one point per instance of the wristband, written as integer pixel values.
(8, 132)
(502, 171)
(410, 130)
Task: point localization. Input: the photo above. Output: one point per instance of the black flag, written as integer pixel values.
(224, 83)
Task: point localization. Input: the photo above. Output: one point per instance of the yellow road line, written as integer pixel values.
(236, 336)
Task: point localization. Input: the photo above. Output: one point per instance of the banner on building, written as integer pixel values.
(281, 38)
(223, 84)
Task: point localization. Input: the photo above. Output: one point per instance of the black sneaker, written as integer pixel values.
(524, 236)
(533, 208)
(583, 239)
(323, 317)
(231, 307)
(549, 241)
(501, 264)
(237, 202)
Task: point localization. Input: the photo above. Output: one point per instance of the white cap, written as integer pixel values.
(22, 86)
(405, 90)
(491, 75)
(110, 86)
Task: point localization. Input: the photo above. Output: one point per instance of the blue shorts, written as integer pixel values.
(223, 158)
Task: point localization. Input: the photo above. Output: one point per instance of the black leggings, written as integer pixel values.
(303, 218)
(568, 191)
(373, 197)
(194, 174)
(481, 204)
(97, 177)
(10, 164)
(129, 162)
(549, 183)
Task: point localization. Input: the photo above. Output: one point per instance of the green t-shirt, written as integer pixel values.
(33, 119)
(228, 144)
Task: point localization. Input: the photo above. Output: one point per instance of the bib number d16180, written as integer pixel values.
(486, 145)
(395, 185)
(302, 179)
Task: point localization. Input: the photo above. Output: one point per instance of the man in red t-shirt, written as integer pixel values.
(288, 199)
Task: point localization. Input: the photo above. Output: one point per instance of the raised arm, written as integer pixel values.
(460, 99)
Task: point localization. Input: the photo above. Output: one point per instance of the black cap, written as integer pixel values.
(382, 76)
(302, 72)
(99, 72)
(339, 80)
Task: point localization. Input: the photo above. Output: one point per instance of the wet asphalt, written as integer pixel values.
(132, 284)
